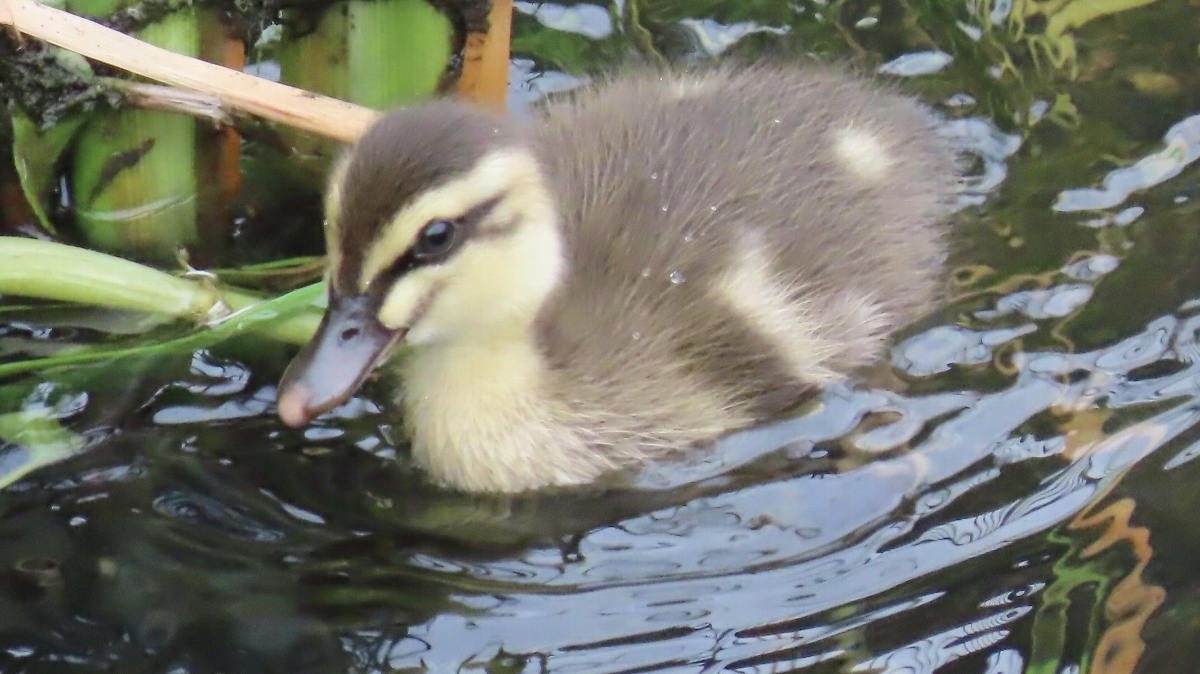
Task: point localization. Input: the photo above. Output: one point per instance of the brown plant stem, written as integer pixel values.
(484, 76)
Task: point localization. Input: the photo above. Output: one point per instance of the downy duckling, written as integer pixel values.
(654, 262)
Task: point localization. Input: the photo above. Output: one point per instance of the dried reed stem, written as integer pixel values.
(219, 90)
(278, 102)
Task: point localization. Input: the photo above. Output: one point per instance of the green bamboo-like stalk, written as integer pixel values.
(377, 53)
(46, 270)
(53, 271)
(316, 60)
(134, 183)
(398, 51)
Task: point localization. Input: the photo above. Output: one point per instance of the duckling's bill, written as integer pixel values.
(348, 345)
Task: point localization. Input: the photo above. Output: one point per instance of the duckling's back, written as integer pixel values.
(734, 238)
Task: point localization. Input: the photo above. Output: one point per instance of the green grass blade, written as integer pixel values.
(35, 440)
(36, 155)
(55, 271)
(290, 317)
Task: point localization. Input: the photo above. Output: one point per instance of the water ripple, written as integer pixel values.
(817, 542)
(928, 655)
(936, 350)
(1007, 661)
(1053, 302)
(210, 513)
(1182, 148)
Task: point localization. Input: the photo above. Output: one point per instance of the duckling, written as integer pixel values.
(642, 267)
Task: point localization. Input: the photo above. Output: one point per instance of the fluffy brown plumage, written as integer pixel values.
(647, 264)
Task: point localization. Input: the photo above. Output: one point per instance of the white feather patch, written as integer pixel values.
(862, 154)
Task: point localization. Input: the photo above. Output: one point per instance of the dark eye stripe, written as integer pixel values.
(468, 226)
(498, 231)
(424, 303)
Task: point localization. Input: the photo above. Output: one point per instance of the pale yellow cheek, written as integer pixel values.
(449, 300)
(405, 297)
(493, 287)
(477, 292)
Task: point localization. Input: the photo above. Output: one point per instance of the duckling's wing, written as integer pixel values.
(756, 230)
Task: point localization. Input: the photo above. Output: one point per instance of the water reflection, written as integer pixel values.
(592, 21)
(938, 349)
(1182, 148)
(917, 63)
(715, 37)
(990, 146)
(775, 554)
(930, 654)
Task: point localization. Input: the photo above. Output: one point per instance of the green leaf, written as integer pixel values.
(291, 317)
(35, 439)
(36, 154)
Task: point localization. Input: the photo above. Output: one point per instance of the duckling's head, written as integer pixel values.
(439, 227)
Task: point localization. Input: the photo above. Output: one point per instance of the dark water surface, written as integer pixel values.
(1014, 491)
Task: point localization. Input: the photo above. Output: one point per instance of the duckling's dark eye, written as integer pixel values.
(437, 239)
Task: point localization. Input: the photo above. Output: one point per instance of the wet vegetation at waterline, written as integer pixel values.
(178, 178)
(197, 207)
(114, 165)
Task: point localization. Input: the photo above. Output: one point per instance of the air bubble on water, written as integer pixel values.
(637, 336)
(676, 277)
(688, 237)
(645, 272)
(654, 176)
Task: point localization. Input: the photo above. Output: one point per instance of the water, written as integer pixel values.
(1010, 490)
